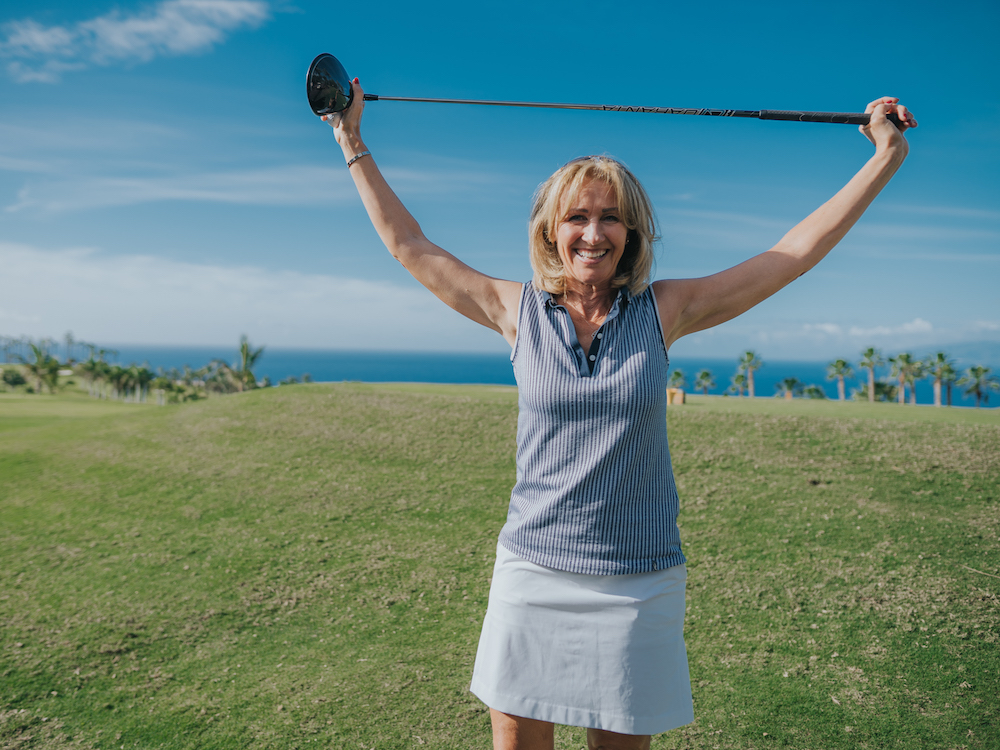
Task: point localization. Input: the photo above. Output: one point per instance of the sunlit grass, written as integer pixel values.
(845, 409)
(309, 566)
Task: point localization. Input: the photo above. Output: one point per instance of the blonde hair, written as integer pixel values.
(636, 266)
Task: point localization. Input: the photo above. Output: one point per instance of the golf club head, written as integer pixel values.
(328, 86)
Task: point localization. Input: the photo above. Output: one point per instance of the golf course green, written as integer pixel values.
(308, 566)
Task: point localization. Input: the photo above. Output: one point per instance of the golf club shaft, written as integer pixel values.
(843, 118)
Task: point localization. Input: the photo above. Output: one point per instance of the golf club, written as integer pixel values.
(329, 90)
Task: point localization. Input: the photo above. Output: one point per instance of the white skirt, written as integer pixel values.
(605, 652)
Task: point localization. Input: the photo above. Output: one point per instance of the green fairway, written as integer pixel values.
(847, 409)
(308, 566)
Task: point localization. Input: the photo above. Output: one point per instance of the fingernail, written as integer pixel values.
(356, 80)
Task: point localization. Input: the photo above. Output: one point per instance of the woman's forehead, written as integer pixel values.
(595, 187)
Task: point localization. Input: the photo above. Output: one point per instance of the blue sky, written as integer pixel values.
(162, 180)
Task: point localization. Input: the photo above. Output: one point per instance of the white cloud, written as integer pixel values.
(12, 316)
(917, 325)
(729, 217)
(173, 27)
(291, 185)
(986, 325)
(41, 144)
(956, 211)
(946, 257)
(831, 329)
(777, 339)
(143, 299)
(939, 234)
(28, 37)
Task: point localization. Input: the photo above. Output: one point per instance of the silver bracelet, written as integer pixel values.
(358, 156)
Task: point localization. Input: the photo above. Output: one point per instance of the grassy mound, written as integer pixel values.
(309, 566)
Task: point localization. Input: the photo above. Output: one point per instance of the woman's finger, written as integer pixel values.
(906, 116)
(881, 100)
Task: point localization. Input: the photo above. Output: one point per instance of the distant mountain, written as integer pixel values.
(967, 353)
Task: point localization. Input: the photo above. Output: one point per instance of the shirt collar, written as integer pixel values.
(621, 300)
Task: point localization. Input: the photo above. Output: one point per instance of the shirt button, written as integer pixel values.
(593, 357)
(600, 335)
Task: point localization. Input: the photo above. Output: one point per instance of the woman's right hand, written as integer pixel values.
(881, 132)
(347, 124)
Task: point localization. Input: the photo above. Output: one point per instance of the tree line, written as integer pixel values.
(134, 383)
(905, 370)
(40, 371)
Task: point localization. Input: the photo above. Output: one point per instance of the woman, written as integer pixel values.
(585, 621)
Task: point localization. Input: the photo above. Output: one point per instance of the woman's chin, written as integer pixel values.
(591, 277)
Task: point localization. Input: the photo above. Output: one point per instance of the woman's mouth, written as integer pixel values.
(590, 254)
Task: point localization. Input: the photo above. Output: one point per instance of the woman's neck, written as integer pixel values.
(590, 301)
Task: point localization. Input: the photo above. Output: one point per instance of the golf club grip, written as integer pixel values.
(841, 118)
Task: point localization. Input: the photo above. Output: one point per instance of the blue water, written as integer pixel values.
(325, 365)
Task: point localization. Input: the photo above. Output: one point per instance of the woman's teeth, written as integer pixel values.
(591, 254)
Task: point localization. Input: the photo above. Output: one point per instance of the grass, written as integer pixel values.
(891, 412)
(309, 566)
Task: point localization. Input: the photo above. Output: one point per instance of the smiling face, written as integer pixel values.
(591, 236)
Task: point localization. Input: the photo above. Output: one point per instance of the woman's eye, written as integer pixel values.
(613, 219)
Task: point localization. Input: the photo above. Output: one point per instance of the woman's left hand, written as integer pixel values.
(883, 133)
(347, 124)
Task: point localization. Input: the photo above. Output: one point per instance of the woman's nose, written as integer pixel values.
(592, 232)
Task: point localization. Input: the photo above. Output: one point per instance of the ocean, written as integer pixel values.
(325, 365)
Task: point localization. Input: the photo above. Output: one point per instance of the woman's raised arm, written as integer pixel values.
(488, 301)
(689, 305)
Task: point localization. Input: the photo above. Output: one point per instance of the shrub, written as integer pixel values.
(13, 377)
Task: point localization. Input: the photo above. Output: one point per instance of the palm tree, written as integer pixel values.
(814, 391)
(789, 387)
(161, 385)
(90, 370)
(739, 381)
(750, 363)
(704, 381)
(980, 383)
(870, 359)
(219, 377)
(943, 370)
(677, 379)
(70, 341)
(139, 378)
(917, 372)
(44, 368)
(884, 391)
(248, 358)
(102, 373)
(951, 375)
(839, 369)
(226, 378)
(117, 378)
(903, 368)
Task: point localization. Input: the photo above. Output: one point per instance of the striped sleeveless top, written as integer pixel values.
(595, 488)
